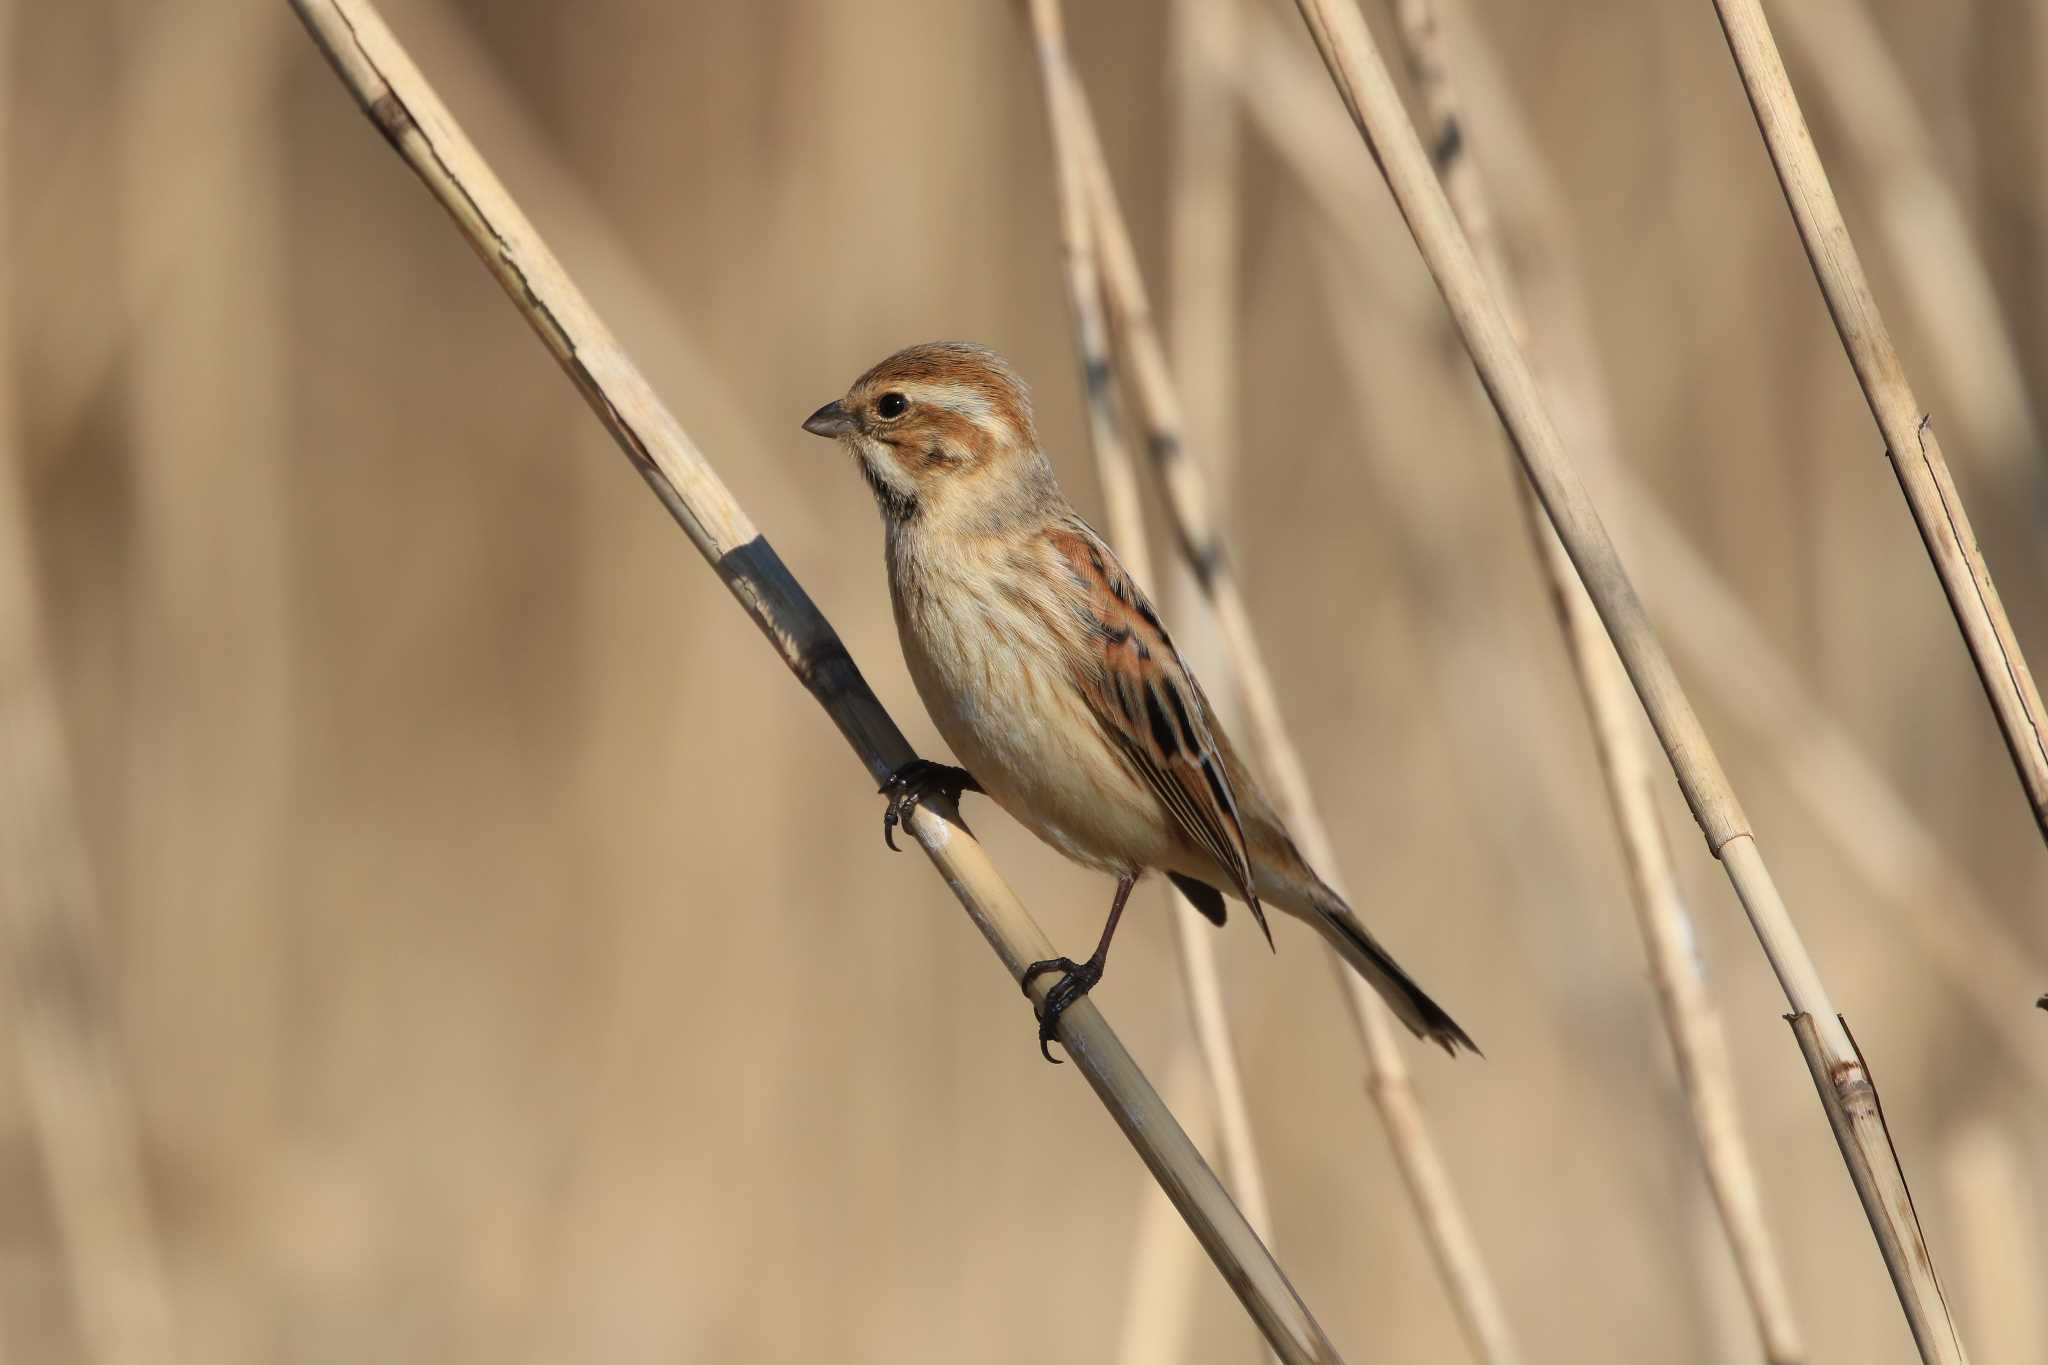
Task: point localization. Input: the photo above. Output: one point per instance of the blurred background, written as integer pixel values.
(442, 932)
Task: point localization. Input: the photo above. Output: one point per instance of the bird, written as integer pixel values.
(1050, 674)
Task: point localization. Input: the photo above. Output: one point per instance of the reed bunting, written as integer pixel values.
(1048, 672)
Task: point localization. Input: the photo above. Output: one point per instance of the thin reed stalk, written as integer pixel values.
(1929, 896)
(1202, 221)
(636, 303)
(1203, 232)
(1908, 432)
(398, 100)
(1113, 464)
(1203, 227)
(1690, 1017)
(1197, 956)
(1941, 270)
(1840, 1075)
(1445, 1227)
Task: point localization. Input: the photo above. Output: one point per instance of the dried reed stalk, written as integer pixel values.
(1202, 229)
(404, 108)
(1928, 894)
(1908, 432)
(1202, 221)
(1839, 1073)
(79, 1107)
(1084, 297)
(1444, 1224)
(1061, 89)
(1689, 1014)
(1118, 474)
(635, 302)
(1942, 272)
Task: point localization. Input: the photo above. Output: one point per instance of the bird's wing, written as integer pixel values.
(1151, 710)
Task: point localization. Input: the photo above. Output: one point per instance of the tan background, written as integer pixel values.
(502, 954)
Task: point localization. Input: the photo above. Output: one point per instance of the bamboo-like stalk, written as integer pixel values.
(1840, 1075)
(1942, 272)
(79, 1106)
(1908, 433)
(77, 388)
(635, 302)
(1084, 298)
(1061, 89)
(1690, 1016)
(404, 108)
(1202, 222)
(1445, 1227)
(1929, 896)
(1202, 228)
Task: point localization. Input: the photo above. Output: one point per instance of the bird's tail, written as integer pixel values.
(1423, 1016)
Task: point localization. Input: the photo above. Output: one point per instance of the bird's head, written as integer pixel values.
(942, 432)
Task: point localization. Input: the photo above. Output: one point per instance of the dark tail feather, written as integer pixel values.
(1423, 1016)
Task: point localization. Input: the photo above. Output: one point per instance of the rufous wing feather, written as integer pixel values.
(1151, 710)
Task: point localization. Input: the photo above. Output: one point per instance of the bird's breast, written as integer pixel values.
(993, 648)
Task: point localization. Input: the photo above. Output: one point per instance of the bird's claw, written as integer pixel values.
(914, 783)
(1076, 980)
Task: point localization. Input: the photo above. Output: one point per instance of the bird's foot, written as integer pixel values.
(916, 782)
(1076, 980)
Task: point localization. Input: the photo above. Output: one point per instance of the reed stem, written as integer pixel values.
(1197, 955)
(403, 106)
(1690, 1018)
(1847, 1092)
(1445, 1227)
(1908, 431)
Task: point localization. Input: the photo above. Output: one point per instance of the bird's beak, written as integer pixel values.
(830, 420)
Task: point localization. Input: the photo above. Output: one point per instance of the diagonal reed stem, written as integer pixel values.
(1990, 969)
(1908, 432)
(1840, 1076)
(1941, 270)
(1689, 1014)
(1449, 1234)
(1119, 477)
(404, 108)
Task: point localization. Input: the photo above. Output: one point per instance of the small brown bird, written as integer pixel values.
(1048, 671)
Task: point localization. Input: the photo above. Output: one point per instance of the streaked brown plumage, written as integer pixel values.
(1048, 671)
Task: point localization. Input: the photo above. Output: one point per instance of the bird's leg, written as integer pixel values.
(1077, 978)
(914, 783)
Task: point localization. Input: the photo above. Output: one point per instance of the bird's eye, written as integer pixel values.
(891, 405)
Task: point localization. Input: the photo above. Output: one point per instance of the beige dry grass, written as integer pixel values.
(403, 107)
(1840, 1075)
(1907, 427)
(1068, 127)
(1690, 1015)
(548, 1042)
(1457, 1253)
